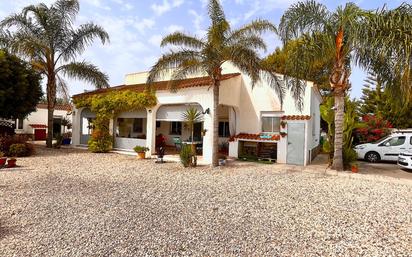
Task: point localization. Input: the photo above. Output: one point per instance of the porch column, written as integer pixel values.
(76, 126)
(208, 137)
(151, 131)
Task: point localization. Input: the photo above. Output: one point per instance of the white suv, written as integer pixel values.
(405, 160)
(387, 148)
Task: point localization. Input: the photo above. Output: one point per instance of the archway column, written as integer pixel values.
(151, 130)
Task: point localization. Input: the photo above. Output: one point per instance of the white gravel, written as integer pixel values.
(73, 203)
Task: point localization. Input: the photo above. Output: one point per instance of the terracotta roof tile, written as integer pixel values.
(161, 85)
(60, 107)
(38, 126)
(258, 137)
(296, 117)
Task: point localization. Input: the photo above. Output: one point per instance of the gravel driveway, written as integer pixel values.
(74, 203)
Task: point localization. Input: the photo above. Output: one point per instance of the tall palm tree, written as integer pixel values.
(47, 37)
(206, 56)
(339, 34)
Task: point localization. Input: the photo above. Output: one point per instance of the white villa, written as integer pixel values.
(35, 124)
(251, 120)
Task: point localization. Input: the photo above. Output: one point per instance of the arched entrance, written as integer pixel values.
(86, 125)
(170, 125)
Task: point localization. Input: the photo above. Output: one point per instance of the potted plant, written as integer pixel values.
(67, 138)
(141, 151)
(283, 134)
(2, 159)
(11, 163)
(222, 160)
(283, 124)
(354, 167)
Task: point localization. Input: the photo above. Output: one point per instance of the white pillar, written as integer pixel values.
(76, 126)
(208, 137)
(151, 131)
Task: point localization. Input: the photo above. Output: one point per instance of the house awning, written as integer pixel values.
(38, 126)
(175, 112)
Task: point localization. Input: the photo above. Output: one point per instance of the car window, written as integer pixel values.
(395, 141)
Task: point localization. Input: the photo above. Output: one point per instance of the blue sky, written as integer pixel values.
(137, 26)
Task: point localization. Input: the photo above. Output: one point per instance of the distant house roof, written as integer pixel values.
(38, 126)
(60, 107)
(161, 85)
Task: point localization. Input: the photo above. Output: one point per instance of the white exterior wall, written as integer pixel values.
(40, 117)
(248, 103)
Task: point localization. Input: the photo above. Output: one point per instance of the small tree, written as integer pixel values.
(20, 88)
(192, 116)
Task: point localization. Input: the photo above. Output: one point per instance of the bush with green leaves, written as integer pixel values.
(140, 149)
(18, 150)
(100, 142)
(7, 141)
(186, 155)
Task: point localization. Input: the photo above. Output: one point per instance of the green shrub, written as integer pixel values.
(186, 155)
(100, 142)
(140, 149)
(18, 150)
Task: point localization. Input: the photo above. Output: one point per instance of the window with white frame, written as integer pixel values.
(270, 124)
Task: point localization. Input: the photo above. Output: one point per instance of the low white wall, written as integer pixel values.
(128, 143)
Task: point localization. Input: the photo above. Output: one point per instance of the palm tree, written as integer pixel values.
(206, 56)
(192, 116)
(339, 34)
(46, 36)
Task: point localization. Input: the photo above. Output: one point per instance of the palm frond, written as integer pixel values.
(303, 17)
(170, 61)
(181, 39)
(256, 27)
(215, 11)
(77, 40)
(62, 89)
(85, 71)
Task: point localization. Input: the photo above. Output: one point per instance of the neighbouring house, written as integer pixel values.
(35, 124)
(252, 122)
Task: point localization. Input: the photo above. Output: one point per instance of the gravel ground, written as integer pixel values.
(74, 203)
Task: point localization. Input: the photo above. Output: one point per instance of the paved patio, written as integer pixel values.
(70, 202)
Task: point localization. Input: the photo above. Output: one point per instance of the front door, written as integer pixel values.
(296, 143)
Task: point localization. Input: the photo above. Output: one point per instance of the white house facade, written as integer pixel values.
(35, 124)
(251, 120)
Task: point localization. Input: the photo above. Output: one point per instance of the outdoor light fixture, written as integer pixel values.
(150, 111)
(207, 111)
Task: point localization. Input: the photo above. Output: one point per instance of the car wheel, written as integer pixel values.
(372, 157)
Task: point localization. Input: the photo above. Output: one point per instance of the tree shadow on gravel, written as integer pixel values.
(5, 231)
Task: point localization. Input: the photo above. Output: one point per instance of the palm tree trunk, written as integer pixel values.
(337, 163)
(51, 101)
(215, 156)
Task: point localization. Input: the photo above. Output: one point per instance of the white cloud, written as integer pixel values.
(173, 28)
(155, 40)
(144, 24)
(197, 22)
(166, 6)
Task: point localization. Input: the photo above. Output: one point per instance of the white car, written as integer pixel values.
(387, 148)
(405, 160)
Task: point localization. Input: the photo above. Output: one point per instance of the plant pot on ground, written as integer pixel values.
(11, 163)
(141, 151)
(2, 159)
(354, 168)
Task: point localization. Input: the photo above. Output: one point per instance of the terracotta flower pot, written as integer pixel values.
(354, 169)
(3, 161)
(141, 155)
(11, 163)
